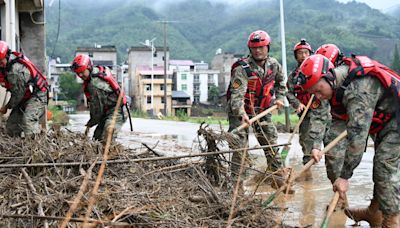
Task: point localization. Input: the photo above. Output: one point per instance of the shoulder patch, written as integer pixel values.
(315, 104)
(236, 84)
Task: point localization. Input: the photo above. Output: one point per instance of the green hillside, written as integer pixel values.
(199, 27)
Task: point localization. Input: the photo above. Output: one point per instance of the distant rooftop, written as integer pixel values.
(144, 48)
(103, 48)
(180, 94)
(181, 62)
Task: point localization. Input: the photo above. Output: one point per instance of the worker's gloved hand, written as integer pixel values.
(245, 119)
(300, 108)
(341, 185)
(279, 103)
(3, 110)
(316, 155)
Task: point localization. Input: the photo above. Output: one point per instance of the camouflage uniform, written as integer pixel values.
(312, 129)
(362, 97)
(25, 114)
(265, 131)
(101, 105)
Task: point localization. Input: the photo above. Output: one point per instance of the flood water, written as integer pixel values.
(306, 208)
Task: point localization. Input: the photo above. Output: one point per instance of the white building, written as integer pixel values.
(193, 78)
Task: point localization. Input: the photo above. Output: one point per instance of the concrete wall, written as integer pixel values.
(33, 38)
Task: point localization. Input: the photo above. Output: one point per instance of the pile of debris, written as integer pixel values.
(160, 193)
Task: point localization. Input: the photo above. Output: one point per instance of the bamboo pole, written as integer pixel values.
(331, 208)
(254, 119)
(121, 161)
(110, 131)
(305, 167)
(285, 150)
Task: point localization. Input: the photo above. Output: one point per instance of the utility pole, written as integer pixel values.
(284, 67)
(165, 22)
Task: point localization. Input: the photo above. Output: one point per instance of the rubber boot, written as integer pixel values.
(371, 214)
(391, 221)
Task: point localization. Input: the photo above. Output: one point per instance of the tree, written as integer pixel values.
(69, 87)
(396, 60)
(213, 94)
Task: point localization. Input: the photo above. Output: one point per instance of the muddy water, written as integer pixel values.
(304, 209)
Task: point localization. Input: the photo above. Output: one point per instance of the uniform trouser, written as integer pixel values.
(101, 130)
(26, 119)
(305, 143)
(334, 158)
(386, 170)
(265, 132)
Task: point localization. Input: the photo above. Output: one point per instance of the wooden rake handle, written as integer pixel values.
(331, 208)
(303, 115)
(254, 119)
(305, 167)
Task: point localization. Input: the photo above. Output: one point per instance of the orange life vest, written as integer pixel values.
(107, 77)
(360, 66)
(259, 92)
(38, 79)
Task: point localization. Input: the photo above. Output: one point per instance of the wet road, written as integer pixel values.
(306, 208)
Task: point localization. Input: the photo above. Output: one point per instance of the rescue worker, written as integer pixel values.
(312, 129)
(254, 82)
(101, 91)
(28, 88)
(366, 97)
(335, 157)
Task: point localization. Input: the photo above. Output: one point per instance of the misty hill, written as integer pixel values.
(199, 27)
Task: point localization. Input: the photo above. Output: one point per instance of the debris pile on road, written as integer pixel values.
(158, 193)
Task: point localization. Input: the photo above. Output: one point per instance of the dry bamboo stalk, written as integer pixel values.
(110, 130)
(237, 186)
(119, 161)
(78, 197)
(33, 189)
(80, 220)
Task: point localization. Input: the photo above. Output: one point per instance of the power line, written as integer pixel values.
(58, 28)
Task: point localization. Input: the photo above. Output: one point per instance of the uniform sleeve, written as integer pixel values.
(360, 99)
(238, 90)
(18, 78)
(290, 94)
(319, 118)
(280, 85)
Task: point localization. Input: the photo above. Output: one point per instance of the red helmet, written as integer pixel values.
(302, 45)
(312, 69)
(258, 38)
(4, 50)
(81, 63)
(330, 51)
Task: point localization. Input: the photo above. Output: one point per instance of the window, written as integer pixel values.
(162, 100)
(148, 100)
(196, 77)
(183, 76)
(210, 77)
(196, 99)
(183, 87)
(147, 87)
(196, 88)
(162, 87)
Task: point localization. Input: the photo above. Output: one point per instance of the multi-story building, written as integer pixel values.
(140, 60)
(194, 78)
(55, 71)
(148, 88)
(223, 62)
